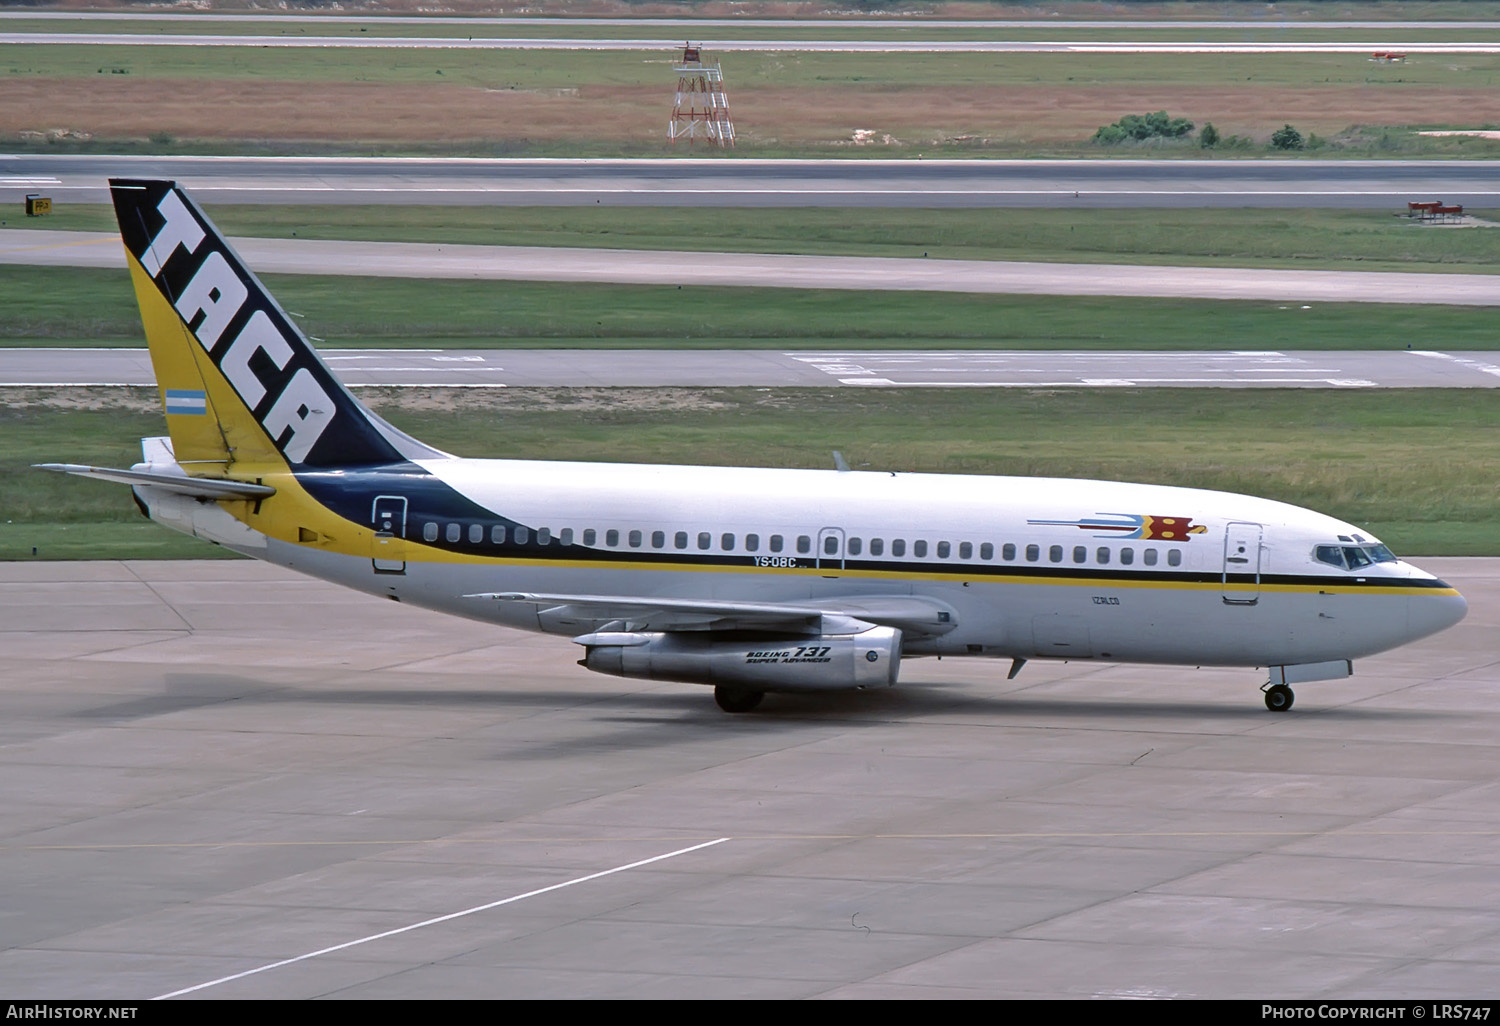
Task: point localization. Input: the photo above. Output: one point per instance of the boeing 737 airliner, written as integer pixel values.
(749, 580)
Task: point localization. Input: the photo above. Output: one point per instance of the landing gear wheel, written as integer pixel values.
(1279, 698)
(737, 700)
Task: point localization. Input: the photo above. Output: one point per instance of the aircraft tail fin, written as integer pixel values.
(239, 381)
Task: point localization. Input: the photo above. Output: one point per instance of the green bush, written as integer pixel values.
(1286, 138)
(1140, 127)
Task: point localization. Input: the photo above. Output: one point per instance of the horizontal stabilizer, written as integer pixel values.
(198, 487)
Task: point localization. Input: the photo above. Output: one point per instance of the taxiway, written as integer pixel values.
(227, 781)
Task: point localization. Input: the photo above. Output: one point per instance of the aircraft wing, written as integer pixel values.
(910, 613)
(198, 487)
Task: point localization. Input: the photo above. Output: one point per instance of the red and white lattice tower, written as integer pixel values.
(701, 110)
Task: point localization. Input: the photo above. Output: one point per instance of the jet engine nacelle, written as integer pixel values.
(801, 663)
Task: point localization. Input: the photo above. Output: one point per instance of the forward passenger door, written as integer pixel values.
(1241, 582)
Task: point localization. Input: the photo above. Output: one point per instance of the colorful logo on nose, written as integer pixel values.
(1132, 525)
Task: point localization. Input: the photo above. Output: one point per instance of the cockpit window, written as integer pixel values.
(1333, 555)
(1353, 557)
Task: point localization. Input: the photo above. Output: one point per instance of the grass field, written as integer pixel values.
(1222, 237)
(1418, 468)
(87, 307)
(598, 103)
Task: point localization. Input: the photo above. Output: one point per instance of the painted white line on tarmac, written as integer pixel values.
(743, 45)
(1114, 383)
(1483, 368)
(439, 919)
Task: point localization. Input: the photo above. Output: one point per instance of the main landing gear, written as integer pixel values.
(737, 700)
(1279, 697)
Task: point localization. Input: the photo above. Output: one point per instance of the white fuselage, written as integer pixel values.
(1031, 567)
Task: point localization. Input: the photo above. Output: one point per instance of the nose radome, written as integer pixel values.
(1428, 614)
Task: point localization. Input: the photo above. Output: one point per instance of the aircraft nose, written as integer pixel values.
(1428, 614)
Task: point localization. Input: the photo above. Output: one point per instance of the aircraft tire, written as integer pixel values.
(737, 700)
(1279, 698)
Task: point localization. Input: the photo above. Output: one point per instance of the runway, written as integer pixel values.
(733, 44)
(215, 770)
(1388, 184)
(776, 270)
(611, 368)
(897, 24)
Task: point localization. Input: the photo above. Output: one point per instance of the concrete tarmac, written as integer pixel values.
(39, 248)
(226, 781)
(753, 182)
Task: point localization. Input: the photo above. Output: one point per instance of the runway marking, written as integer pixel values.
(1112, 383)
(1483, 368)
(745, 45)
(439, 919)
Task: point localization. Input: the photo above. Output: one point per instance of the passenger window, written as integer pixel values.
(635, 539)
(919, 549)
(726, 542)
(776, 542)
(1174, 557)
(1033, 553)
(804, 544)
(565, 537)
(612, 537)
(1080, 553)
(831, 545)
(855, 545)
(898, 547)
(1055, 553)
(986, 551)
(543, 535)
(476, 534)
(1149, 557)
(877, 546)
(680, 539)
(943, 549)
(429, 532)
(497, 535)
(658, 539)
(965, 550)
(452, 532)
(752, 543)
(1101, 556)
(523, 535)
(1127, 556)
(705, 540)
(589, 537)
(1008, 552)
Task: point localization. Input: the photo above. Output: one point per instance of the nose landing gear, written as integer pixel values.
(1279, 697)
